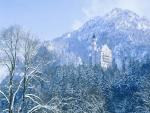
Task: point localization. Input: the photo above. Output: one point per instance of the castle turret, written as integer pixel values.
(94, 50)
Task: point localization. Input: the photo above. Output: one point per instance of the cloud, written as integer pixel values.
(77, 24)
(97, 7)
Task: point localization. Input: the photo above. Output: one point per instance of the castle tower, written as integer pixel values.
(94, 51)
(106, 57)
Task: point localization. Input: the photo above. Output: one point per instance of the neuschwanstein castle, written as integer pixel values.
(101, 55)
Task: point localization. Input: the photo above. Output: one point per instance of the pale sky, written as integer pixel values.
(49, 19)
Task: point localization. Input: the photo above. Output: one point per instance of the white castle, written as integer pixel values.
(102, 56)
(106, 57)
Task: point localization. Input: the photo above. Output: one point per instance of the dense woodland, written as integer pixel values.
(36, 83)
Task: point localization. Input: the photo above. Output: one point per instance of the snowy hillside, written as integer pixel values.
(126, 33)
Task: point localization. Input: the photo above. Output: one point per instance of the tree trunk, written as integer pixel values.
(10, 94)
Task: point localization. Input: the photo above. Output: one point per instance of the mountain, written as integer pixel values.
(126, 33)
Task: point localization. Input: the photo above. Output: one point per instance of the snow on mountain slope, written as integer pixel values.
(126, 33)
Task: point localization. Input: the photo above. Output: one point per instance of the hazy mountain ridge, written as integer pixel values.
(126, 33)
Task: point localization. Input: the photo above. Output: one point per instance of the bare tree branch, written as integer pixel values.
(4, 95)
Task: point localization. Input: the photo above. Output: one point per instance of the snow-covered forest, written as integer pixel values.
(35, 83)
